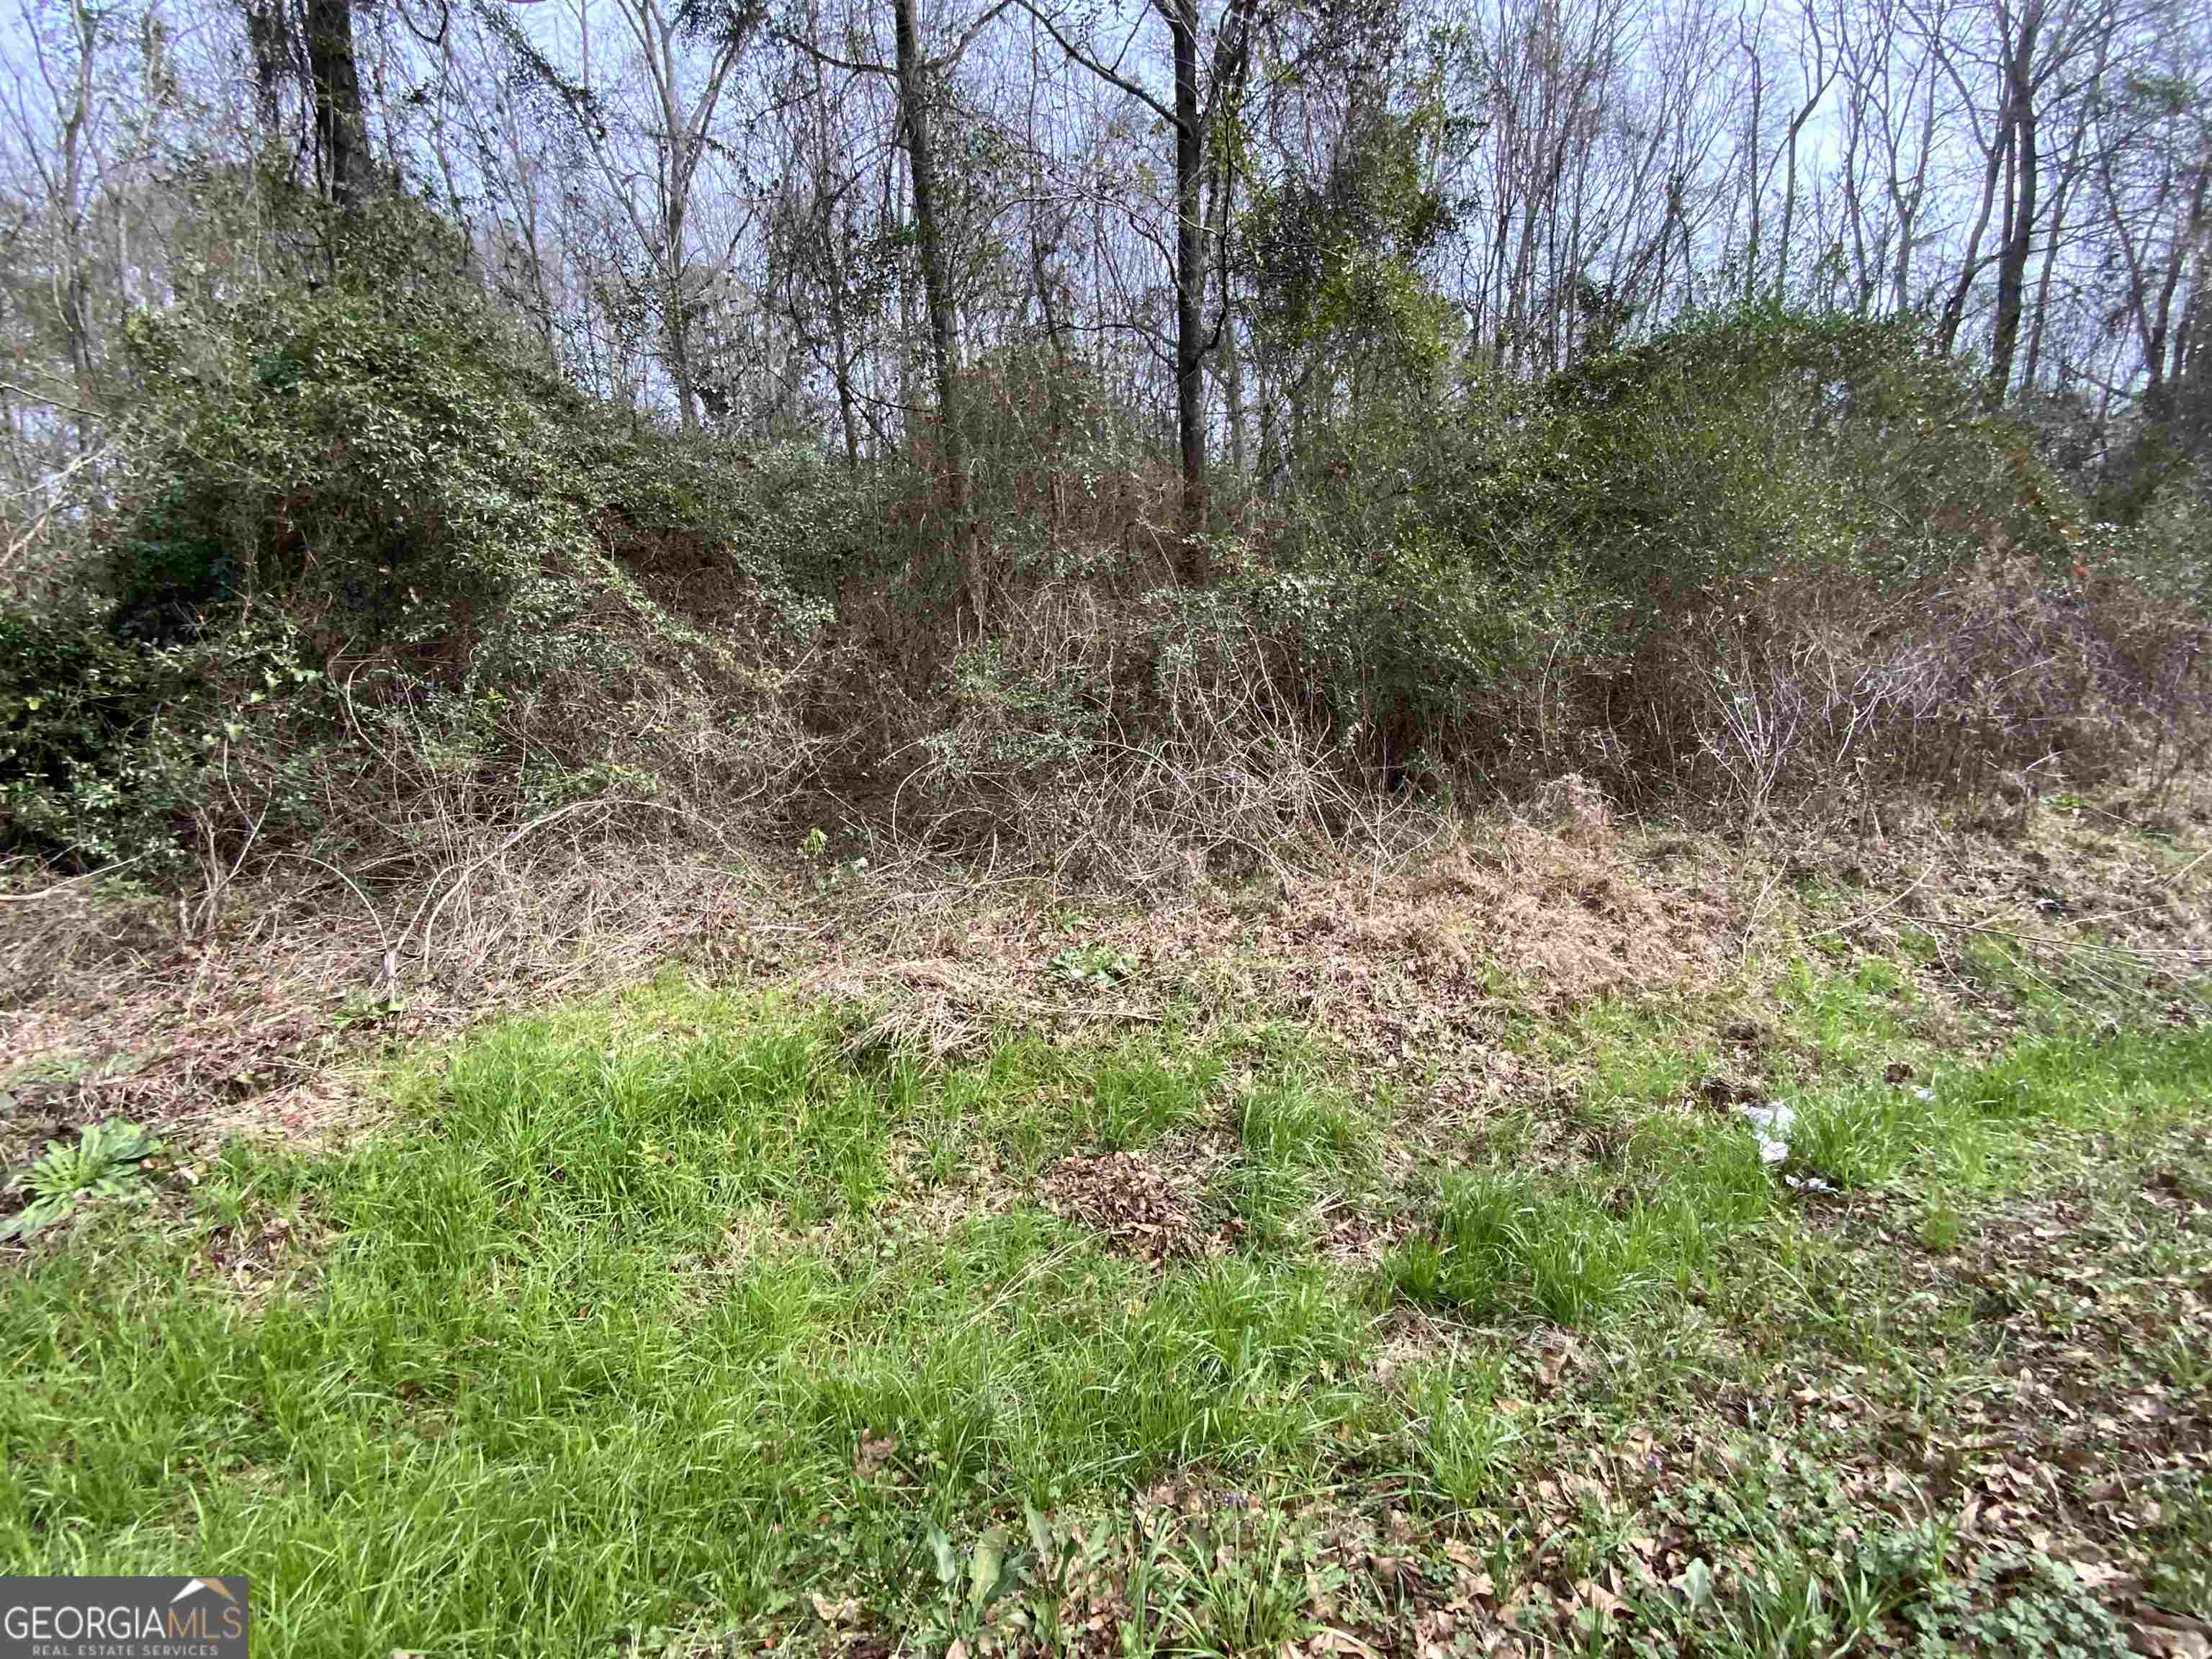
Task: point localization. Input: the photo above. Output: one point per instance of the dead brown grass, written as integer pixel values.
(1412, 954)
(114, 1003)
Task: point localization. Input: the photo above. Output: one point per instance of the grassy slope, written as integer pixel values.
(674, 1320)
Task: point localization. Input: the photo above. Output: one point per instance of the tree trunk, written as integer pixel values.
(1222, 188)
(679, 324)
(341, 134)
(1232, 390)
(1751, 181)
(2159, 396)
(2069, 175)
(1190, 284)
(1789, 195)
(1907, 202)
(268, 45)
(1954, 307)
(2020, 204)
(914, 124)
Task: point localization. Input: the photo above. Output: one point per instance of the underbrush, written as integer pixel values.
(373, 582)
(377, 593)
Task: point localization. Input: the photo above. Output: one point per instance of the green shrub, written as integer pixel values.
(114, 750)
(75, 710)
(1762, 561)
(372, 550)
(1736, 445)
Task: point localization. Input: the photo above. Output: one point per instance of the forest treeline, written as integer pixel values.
(1130, 438)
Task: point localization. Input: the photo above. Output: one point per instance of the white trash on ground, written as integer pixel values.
(1771, 1124)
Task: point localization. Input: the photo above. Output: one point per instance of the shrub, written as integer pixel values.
(1735, 446)
(373, 574)
(372, 555)
(1138, 741)
(77, 708)
(1762, 561)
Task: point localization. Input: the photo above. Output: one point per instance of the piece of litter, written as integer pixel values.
(1771, 1124)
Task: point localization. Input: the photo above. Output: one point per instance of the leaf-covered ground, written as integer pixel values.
(1206, 1288)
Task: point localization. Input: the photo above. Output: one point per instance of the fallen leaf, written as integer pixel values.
(2163, 1642)
(869, 1460)
(1329, 1640)
(2171, 1636)
(2097, 1574)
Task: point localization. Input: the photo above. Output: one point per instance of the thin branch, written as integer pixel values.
(1112, 77)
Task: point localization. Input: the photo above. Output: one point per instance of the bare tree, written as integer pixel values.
(937, 287)
(684, 92)
(2153, 173)
(1819, 68)
(1190, 118)
(54, 108)
(342, 158)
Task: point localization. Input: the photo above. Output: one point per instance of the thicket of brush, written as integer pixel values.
(365, 583)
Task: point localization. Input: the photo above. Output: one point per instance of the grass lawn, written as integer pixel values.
(680, 1322)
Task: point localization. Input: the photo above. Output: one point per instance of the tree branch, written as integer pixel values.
(1112, 77)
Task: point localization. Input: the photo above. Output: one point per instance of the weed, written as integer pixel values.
(2181, 1546)
(104, 1162)
(1939, 1227)
(1465, 1445)
(1240, 1586)
(2185, 1359)
(830, 875)
(1092, 967)
(1136, 1095)
(973, 1585)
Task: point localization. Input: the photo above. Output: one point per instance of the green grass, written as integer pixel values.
(666, 1314)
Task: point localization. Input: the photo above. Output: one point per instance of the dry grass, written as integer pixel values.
(1107, 742)
(115, 1003)
(1996, 678)
(1412, 948)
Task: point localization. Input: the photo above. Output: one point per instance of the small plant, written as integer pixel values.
(1939, 1228)
(103, 1163)
(1092, 967)
(1245, 1587)
(1466, 1446)
(2009, 1602)
(368, 1008)
(1063, 1558)
(829, 875)
(2185, 1362)
(2181, 1561)
(973, 1586)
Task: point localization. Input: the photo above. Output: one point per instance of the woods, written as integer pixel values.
(625, 178)
(1145, 438)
